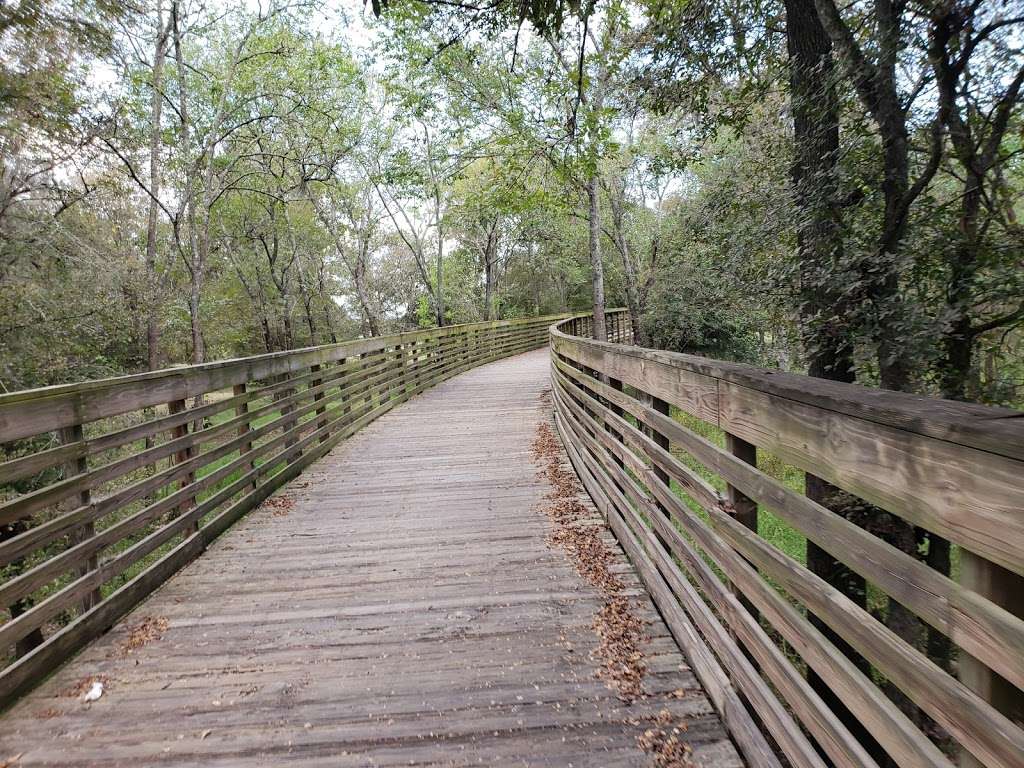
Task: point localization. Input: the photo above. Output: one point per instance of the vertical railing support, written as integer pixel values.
(743, 508)
(397, 383)
(615, 384)
(662, 441)
(75, 434)
(1006, 589)
(180, 457)
(321, 411)
(245, 427)
(414, 367)
(290, 424)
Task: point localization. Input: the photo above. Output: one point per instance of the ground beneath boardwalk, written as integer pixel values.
(433, 592)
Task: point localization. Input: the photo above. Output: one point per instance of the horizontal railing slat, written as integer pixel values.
(281, 412)
(988, 631)
(953, 469)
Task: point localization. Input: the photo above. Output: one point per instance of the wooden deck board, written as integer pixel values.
(406, 611)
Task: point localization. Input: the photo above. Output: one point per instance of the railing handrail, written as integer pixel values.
(995, 429)
(125, 480)
(68, 401)
(953, 469)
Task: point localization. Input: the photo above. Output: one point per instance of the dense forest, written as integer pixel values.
(822, 187)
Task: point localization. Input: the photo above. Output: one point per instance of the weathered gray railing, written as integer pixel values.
(685, 506)
(108, 487)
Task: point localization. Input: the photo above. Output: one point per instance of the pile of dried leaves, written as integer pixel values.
(664, 744)
(148, 630)
(579, 534)
(279, 506)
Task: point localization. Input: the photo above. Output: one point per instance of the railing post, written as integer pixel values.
(409, 363)
(409, 369)
(615, 384)
(744, 509)
(394, 369)
(75, 434)
(396, 386)
(245, 427)
(321, 419)
(463, 347)
(426, 361)
(346, 401)
(179, 406)
(1006, 589)
(290, 424)
(662, 441)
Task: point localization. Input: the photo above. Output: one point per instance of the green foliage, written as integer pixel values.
(424, 314)
(694, 310)
(322, 186)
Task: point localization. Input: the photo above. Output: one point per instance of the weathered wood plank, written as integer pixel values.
(32, 412)
(402, 605)
(997, 430)
(897, 463)
(973, 622)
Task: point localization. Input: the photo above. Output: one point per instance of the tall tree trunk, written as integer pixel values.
(893, 360)
(194, 301)
(596, 265)
(359, 277)
(629, 272)
(958, 340)
(439, 278)
(877, 88)
(307, 305)
(325, 302)
(195, 260)
(488, 289)
(156, 110)
(820, 247)
(490, 272)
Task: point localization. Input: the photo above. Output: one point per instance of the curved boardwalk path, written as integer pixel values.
(398, 604)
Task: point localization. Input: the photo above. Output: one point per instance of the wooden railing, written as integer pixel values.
(109, 487)
(669, 447)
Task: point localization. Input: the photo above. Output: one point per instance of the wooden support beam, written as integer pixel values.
(174, 407)
(1005, 589)
(743, 508)
(71, 435)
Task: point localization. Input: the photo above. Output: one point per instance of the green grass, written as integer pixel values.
(770, 526)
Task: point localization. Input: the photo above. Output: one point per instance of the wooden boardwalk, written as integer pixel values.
(398, 604)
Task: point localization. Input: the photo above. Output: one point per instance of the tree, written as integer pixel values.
(413, 182)
(979, 73)
(352, 214)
